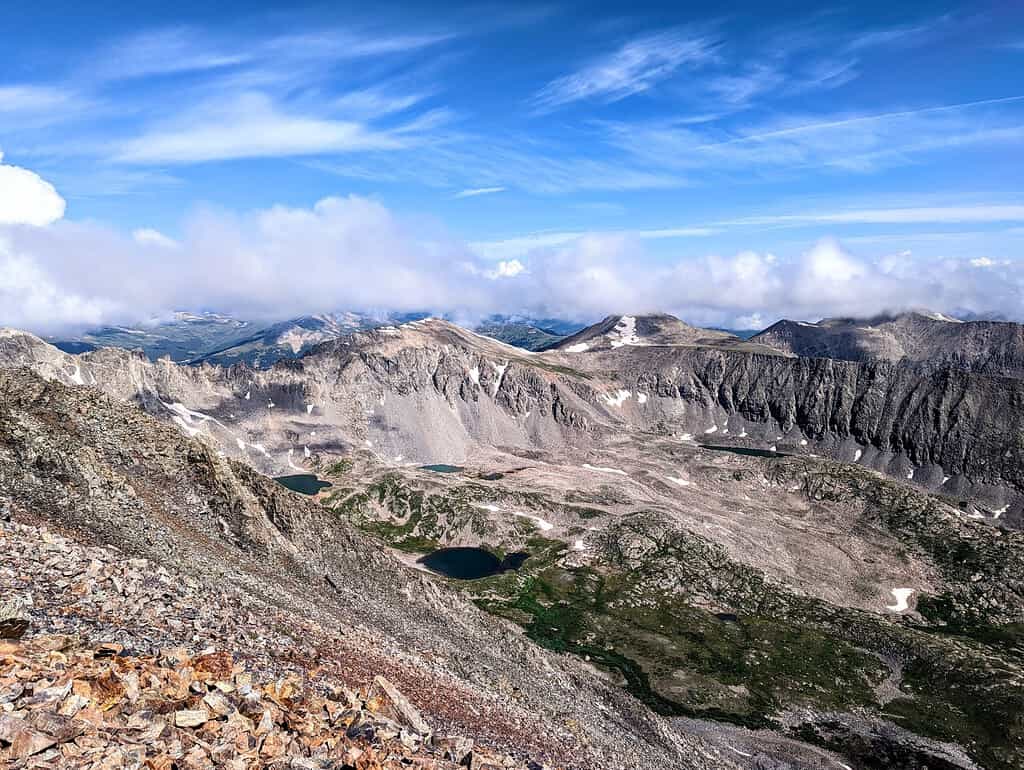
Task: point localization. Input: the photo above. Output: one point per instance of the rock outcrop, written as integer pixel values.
(931, 339)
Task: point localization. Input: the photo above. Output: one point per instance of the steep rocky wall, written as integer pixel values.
(966, 423)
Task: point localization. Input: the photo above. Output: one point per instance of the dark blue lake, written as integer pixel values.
(470, 563)
(305, 483)
(442, 468)
(742, 450)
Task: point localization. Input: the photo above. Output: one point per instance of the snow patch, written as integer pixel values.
(474, 375)
(543, 524)
(617, 399)
(579, 545)
(76, 377)
(306, 452)
(579, 347)
(641, 398)
(857, 455)
(901, 595)
(309, 409)
(241, 444)
(1000, 511)
(248, 394)
(601, 469)
(712, 429)
(624, 332)
(803, 442)
(686, 437)
(292, 465)
(910, 473)
(679, 481)
(499, 369)
(945, 479)
(741, 753)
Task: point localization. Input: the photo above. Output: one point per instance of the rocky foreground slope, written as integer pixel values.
(311, 589)
(183, 677)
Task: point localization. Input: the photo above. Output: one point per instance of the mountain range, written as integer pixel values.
(222, 339)
(798, 550)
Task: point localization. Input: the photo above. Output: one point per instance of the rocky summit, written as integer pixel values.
(704, 553)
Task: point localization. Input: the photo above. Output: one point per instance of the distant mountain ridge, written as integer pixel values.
(930, 339)
(617, 331)
(217, 338)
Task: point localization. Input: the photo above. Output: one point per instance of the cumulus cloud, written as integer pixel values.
(353, 253)
(26, 198)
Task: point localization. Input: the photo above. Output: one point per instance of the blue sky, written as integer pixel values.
(523, 138)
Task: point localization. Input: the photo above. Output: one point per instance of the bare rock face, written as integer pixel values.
(986, 347)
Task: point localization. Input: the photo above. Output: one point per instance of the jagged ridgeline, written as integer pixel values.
(715, 538)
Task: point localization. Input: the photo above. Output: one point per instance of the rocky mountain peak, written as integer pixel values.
(617, 331)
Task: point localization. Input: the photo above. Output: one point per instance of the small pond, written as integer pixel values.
(304, 483)
(470, 563)
(742, 450)
(442, 468)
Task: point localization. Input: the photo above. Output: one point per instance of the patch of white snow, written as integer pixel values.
(624, 332)
(541, 523)
(616, 399)
(601, 469)
(901, 595)
(579, 347)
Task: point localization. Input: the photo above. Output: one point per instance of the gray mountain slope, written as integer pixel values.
(429, 391)
(986, 347)
(103, 470)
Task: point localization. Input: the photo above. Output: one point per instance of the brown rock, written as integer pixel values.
(14, 618)
(397, 707)
(213, 666)
(191, 717)
(23, 739)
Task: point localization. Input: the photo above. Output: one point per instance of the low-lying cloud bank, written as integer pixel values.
(352, 253)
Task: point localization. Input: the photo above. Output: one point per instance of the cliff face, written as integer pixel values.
(967, 424)
(985, 347)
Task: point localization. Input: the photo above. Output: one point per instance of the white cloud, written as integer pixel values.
(507, 268)
(32, 98)
(251, 126)
(848, 142)
(26, 198)
(635, 67)
(148, 236)
(906, 215)
(358, 255)
(472, 192)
